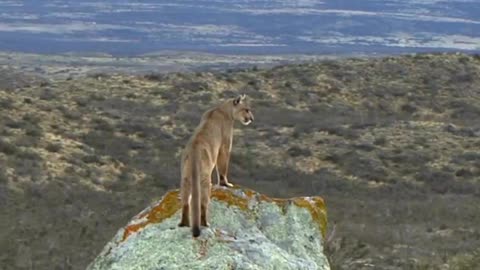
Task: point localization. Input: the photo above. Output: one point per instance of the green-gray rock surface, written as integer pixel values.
(247, 231)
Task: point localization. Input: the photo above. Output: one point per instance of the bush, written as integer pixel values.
(28, 154)
(3, 180)
(191, 86)
(69, 113)
(343, 253)
(33, 130)
(102, 124)
(155, 77)
(438, 181)
(53, 147)
(7, 148)
(81, 101)
(47, 94)
(6, 103)
(13, 123)
(296, 151)
(90, 159)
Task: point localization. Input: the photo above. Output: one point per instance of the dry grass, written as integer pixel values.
(389, 143)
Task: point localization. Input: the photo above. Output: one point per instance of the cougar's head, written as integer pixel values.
(241, 110)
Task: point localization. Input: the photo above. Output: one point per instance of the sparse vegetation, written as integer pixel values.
(7, 147)
(465, 261)
(390, 143)
(6, 103)
(53, 147)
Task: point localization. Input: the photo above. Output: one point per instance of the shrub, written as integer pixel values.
(47, 94)
(33, 130)
(102, 124)
(155, 77)
(3, 180)
(53, 147)
(90, 159)
(6, 103)
(13, 123)
(296, 151)
(437, 181)
(7, 147)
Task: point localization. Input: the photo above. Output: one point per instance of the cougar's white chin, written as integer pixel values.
(246, 122)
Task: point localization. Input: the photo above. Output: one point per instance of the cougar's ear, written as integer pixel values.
(238, 99)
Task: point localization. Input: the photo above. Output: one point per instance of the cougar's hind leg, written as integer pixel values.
(206, 193)
(185, 198)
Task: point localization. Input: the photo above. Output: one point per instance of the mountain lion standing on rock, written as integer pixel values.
(209, 146)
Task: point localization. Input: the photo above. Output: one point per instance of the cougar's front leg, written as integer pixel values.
(222, 165)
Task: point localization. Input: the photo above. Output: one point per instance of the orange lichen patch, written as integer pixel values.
(167, 207)
(278, 201)
(249, 193)
(227, 196)
(235, 196)
(316, 207)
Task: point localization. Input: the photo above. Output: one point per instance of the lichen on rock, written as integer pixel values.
(247, 230)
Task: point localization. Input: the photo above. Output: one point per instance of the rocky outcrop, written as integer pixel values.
(247, 230)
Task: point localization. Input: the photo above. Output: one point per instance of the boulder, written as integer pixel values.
(247, 230)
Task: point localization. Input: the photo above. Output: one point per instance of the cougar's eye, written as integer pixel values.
(247, 110)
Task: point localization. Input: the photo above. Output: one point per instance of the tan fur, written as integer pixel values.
(209, 147)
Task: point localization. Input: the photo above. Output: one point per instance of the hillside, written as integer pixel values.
(392, 144)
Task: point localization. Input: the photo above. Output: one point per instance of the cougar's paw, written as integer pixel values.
(226, 184)
(183, 224)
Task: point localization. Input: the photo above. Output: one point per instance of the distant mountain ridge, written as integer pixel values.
(240, 26)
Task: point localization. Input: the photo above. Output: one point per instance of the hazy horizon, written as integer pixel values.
(240, 26)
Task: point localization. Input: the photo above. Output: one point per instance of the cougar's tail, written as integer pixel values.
(195, 204)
